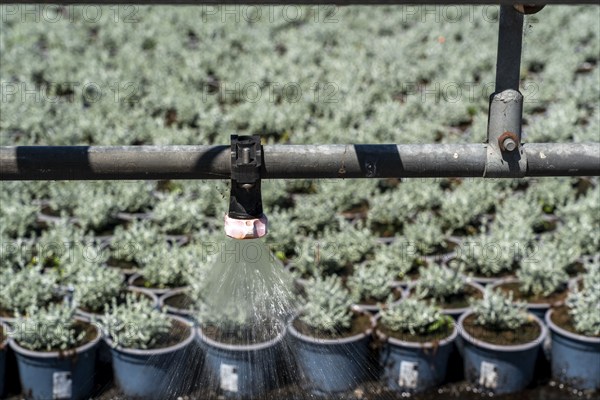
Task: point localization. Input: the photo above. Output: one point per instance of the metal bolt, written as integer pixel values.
(509, 144)
(246, 155)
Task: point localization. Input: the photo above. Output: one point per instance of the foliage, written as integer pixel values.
(370, 281)
(498, 311)
(424, 233)
(18, 212)
(584, 303)
(95, 286)
(59, 240)
(135, 323)
(25, 287)
(468, 202)
(396, 257)
(165, 266)
(133, 242)
(48, 329)
(327, 306)
(544, 272)
(438, 283)
(414, 316)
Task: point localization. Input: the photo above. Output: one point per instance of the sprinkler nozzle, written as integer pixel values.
(245, 219)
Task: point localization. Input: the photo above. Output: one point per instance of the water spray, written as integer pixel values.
(245, 218)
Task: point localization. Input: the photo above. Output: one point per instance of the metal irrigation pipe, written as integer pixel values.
(287, 161)
(307, 2)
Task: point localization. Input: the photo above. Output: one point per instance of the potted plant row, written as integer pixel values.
(417, 342)
(150, 350)
(501, 343)
(371, 285)
(55, 352)
(575, 333)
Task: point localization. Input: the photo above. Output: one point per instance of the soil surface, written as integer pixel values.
(141, 282)
(525, 334)
(560, 316)
(242, 336)
(554, 298)
(406, 336)
(179, 332)
(122, 264)
(360, 324)
(179, 301)
(458, 300)
(397, 293)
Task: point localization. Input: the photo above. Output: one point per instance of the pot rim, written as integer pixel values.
(418, 345)
(156, 352)
(58, 354)
(563, 332)
(242, 347)
(534, 306)
(354, 338)
(498, 347)
(467, 281)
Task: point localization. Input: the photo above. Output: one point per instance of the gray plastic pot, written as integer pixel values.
(57, 375)
(575, 359)
(3, 351)
(330, 366)
(412, 366)
(182, 312)
(242, 371)
(88, 316)
(153, 374)
(537, 309)
(497, 368)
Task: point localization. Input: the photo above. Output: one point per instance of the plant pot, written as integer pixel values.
(57, 375)
(3, 352)
(453, 312)
(156, 373)
(330, 366)
(242, 370)
(137, 280)
(184, 303)
(537, 309)
(452, 243)
(575, 359)
(496, 368)
(415, 366)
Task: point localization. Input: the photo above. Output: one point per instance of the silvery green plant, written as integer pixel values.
(544, 272)
(26, 287)
(498, 311)
(493, 252)
(18, 212)
(370, 281)
(135, 323)
(583, 307)
(414, 316)
(327, 305)
(283, 233)
(468, 202)
(439, 283)
(551, 193)
(96, 286)
(59, 239)
(424, 233)
(396, 257)
(133, 242)
(165, 266)
(351, 244)
(95, 203)
(413, 194)
(78, 261)
(50, 328)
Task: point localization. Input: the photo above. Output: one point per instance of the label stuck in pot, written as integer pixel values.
(229, 378)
